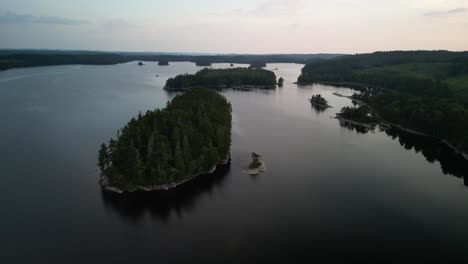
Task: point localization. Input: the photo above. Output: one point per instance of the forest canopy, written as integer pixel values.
(422, 90)
(224, 78)
(188, 137)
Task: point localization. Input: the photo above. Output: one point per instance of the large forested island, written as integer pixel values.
(426, 91)
(224, 78)
(164, 148)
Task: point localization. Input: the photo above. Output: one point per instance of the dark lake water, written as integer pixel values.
(329, 191)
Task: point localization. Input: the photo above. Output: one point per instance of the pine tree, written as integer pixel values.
(103, 158)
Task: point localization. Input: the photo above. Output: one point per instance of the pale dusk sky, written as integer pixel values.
(241, 26)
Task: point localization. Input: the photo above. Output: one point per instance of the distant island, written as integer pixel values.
(224, 78)
(423, 91)
(163, 63)
(203, 63)
(258, 64)
(319, 102)
(165, 148)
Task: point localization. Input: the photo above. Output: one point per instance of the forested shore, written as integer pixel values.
(224, 78)
(425, 91)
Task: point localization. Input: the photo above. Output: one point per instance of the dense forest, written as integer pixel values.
(445, 118)
(422, 90)
(188, 137)
(32, 58)
(431, 73)
(224, 78)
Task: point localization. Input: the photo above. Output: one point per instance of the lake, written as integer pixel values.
(330, 190)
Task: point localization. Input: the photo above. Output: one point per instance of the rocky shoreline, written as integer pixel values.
(366, 125)
(104, 182)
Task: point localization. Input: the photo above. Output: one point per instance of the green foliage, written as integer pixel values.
(256, 163)
(319, 102)
(190, 136)
(422, 90)
(445, 118)
(223, 78)
(412, 72)
(359, 114)
(318, 99)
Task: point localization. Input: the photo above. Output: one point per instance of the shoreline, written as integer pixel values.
(402, 128)
(443, 141)
(366, 125)
(339, 84)
(220, 87)
(406, 129)
(103, 181)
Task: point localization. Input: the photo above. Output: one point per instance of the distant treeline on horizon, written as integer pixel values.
(32, 58)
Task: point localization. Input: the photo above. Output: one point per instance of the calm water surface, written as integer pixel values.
(329, 191)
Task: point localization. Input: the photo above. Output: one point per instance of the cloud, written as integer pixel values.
(13, 18)
(447, 12)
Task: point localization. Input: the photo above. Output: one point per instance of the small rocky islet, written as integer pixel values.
(256, 166)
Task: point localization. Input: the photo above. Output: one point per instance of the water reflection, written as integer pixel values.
(433, 150)
(160, 205)
(318, 109)
(361, 129)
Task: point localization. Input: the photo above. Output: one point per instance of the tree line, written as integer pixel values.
(223, 78)
(28, 58)
(422, 90)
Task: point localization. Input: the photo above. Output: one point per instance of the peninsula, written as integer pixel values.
(423, 91)
(165, 148)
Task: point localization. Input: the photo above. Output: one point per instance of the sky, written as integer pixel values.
(235, 26)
